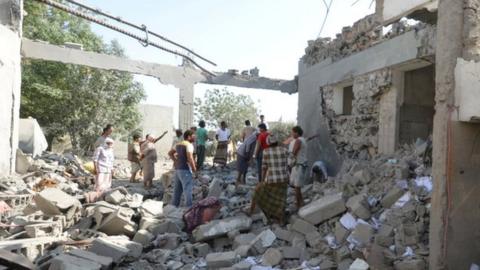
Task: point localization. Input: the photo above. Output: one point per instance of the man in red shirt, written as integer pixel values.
(261, 145)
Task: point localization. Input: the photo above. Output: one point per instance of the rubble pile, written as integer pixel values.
(365, 33)
(373, 215)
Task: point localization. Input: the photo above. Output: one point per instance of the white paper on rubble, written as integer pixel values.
(425, 182)
(348, 221)
(408, 252)
(403, 200)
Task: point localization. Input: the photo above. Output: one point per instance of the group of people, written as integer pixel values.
(279, 164)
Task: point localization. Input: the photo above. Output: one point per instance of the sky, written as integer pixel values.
(268, 34)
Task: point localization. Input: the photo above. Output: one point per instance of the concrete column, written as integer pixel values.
(449, 48)
(10, 80)
(185, 108)
(389, 116)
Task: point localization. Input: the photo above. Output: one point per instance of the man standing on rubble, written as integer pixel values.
(271, 193)
(182, 157)
(134, 157)
(223, 139)
(247, 130)
(202, 136)
(260, 147)
(103, 160)
(149, 158)
(297, 162)
(244, 155)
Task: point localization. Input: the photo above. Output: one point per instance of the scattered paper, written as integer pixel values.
(403, 200)
(348, 221)
(425, 182)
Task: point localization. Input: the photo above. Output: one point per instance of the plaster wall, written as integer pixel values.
(394, 9)
(10, 80)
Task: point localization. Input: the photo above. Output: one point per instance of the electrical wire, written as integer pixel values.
(120, 30)
(142, 28)
(328, 6)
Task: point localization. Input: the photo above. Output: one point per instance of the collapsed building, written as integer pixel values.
(379, 85)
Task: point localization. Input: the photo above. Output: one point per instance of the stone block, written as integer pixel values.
(221, 259)
(314, 238)
(342, 253)
(359, 207)
(215, 188)
(242, 266)
(341, 233)
(10, 260)
(68, 262)
(143, 237)
(201, 250)
(53, 201)
(218, 228)
(359, 264)
(362, 235)
(134, 249)
(363, 176)
(118, 223)
(107, 248)
(151, 208)
(303, 227)
(105, 262)
(43, 229)
(167, 241)
(115, 197)
(263, 241)
(291, 253)
(243, 239)
(323, 209)
(147, 222)
(384, 241)
(391, 197)
(283, 234)
(416, 264)
(272, 257)
(164, 227)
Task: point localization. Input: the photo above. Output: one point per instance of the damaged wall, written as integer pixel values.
(356, 135)
(10, 80)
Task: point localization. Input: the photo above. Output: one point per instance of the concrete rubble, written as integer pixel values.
(373, 215)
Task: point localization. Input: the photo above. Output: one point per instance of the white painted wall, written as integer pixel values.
(10, 80)
(467, 90)
(396, 9)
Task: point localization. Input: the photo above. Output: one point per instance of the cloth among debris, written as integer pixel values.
(201, 212)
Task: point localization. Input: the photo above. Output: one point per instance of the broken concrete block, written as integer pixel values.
(118, 223)
(43, 229)
(359, 207)
(341, 233)
(291, 253)
(364, 176)
(164, 227)
(217, 228)
(143, 237)
(215, 188)
(105, 262)
(115, 197)
(147, 222)
(313, 238)
(201, 249)
(221, 259)
(11, 260)
(68, 262)
(243, 239)
(167, 241)
(392, 196)
(263, 241)
(272, 257)
(283, 234)
(323, 209)
(53, 201)
(342, 253)
(359, 264)
(362, 234)
(416, 264)
(303, 227)
(151, 208)
(107, 248)
(242, 266)
(134, 249)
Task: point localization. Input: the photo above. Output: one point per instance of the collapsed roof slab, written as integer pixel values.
(392, 10)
